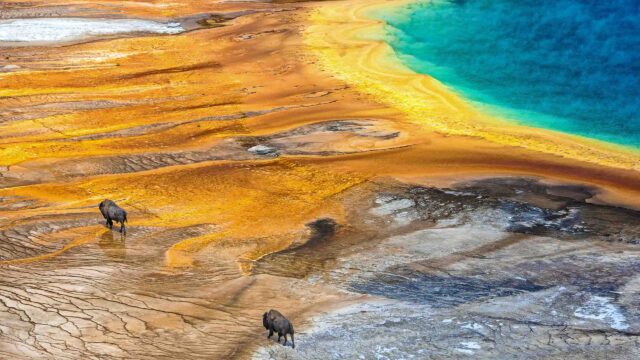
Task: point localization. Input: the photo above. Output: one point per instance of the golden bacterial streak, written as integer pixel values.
(141, 99)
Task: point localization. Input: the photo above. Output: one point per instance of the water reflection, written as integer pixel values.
(113, 244)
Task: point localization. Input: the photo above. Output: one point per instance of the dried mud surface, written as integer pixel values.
(255, 179)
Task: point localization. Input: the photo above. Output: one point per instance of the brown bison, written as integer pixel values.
(112, 212)
(276, 322)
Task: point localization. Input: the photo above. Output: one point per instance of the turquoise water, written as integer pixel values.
(567, 65)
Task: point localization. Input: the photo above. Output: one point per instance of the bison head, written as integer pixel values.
(265, 321)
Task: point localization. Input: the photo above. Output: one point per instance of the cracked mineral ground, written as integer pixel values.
(255, 177)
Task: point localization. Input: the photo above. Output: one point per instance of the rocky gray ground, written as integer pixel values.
(502, 268)
(498, 268)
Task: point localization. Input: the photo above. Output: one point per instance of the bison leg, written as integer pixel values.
(270, 334)
(110, 223)
(123, 230)
(285, 339)
(279, 336)
(293, 344)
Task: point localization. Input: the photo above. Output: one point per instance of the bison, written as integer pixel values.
(112, 212)
(276, 322)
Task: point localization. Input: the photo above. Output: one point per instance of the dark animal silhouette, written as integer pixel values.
(113, 212)
(276, 322)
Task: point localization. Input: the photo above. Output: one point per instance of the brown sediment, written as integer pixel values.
(163, 125)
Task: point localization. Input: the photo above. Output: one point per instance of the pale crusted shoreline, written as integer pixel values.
(67, 29)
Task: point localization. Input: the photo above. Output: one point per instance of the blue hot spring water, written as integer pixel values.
(566, 65)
